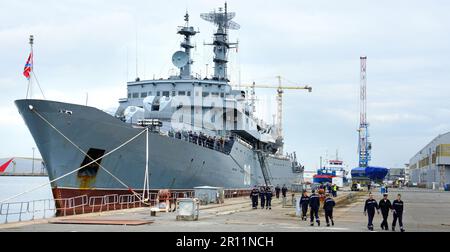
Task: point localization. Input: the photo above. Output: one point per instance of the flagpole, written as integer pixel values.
(29, 89)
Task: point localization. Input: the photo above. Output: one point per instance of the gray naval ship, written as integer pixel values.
(201, 132)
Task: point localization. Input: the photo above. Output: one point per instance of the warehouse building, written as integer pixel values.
(430, 167)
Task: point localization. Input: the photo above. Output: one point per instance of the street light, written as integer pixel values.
(32, 164)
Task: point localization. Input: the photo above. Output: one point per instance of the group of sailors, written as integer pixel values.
(264, 194)
(313, 203)
(385, 205)
(216, 143)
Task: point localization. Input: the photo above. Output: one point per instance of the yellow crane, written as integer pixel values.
(280, 90)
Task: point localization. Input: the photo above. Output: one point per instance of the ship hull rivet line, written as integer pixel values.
(81, 167)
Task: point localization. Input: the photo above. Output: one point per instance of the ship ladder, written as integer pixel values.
(265, 172)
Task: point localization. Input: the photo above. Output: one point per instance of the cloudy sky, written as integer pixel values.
(87, 46)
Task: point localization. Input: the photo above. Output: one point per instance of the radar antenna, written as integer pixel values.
(222, 19)
(182, 59)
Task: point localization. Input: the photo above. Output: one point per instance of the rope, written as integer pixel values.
(37, 81)
(79, 168)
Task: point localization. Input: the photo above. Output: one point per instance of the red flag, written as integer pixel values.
(28, 66)
(5, 165)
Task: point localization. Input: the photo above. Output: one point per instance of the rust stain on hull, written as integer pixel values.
(86, 182)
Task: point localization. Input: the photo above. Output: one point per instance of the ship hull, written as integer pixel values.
(173, 163)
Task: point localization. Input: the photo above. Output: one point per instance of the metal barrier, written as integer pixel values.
(28, 208)
(80, 205)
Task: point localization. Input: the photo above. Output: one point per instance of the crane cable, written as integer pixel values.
(81, 167)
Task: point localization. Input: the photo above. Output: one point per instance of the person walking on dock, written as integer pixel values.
(369, 209)
(304, 202)
(397, 207)
(385, 206)
(328, 206)
(277, 191)
(284, 191)
(269, 195)
(334, 190)
(314, 204)
(262, 195)
(254, 195)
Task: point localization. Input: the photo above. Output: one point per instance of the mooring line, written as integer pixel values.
(79, 168)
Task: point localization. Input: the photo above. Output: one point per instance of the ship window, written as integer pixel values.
(150, 93)
(92, 169)
(205, 94)
(144, 94)
(158, 93)
(181, 93)
(222, 95)
(188, 93)
(166, 93)
(213, 118)
(129, 95)
(174, 93)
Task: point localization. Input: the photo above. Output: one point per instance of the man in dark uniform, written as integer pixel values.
(314, 204)
(304, 202)
(397, 207)
(328, 206)
(269, 198)
(284, 191)
(277, 191)
(385, 206)
(254, 196)
(369, 209)
(262, 195)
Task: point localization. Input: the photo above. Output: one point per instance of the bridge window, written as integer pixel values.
(181, 93)
(222, 95)
(188, 93)
(129, 95)
(205, 94)
(158, 93)
(144, 94)
(150, 93)
(135, 95)
(174, 93)
(166, 93)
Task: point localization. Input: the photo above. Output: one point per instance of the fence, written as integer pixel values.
(45, 208)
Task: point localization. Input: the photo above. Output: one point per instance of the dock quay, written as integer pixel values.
(425, 210)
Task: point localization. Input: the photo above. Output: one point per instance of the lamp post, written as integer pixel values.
(32, 164)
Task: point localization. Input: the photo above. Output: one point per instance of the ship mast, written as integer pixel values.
(222, 19)
(187, 31)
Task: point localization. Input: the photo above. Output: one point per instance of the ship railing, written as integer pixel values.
(236, 192)
(26, 210)
(72, 204)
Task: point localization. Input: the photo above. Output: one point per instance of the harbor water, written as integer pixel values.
(17, 208)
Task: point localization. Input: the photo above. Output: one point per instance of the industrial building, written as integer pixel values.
(22, 166)
(430, 167)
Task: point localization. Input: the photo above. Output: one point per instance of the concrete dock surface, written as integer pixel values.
(425, 210)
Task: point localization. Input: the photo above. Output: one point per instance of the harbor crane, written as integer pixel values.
(280, 90)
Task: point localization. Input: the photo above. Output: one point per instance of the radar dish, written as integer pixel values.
(180, 59)
(220, 19)
(233, 25)
(211, 17)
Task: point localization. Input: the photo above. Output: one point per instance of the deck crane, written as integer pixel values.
(280, 90)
